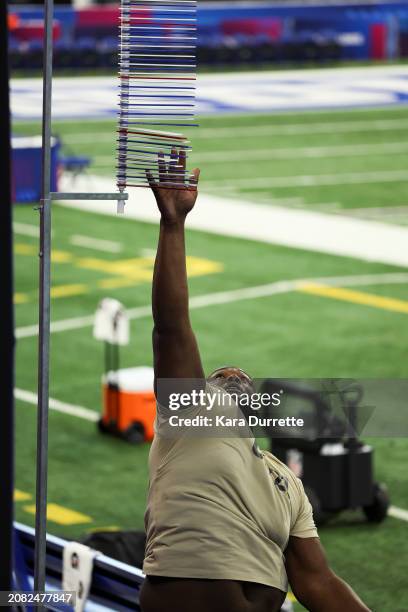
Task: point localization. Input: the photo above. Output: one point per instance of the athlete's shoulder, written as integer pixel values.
(280, 467)
(270, 458)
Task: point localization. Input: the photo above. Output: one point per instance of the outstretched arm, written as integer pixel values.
(175, 348)
(313, 583)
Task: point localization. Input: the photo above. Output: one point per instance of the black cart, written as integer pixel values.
(336, 467)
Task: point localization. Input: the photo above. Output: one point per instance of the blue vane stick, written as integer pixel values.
(157, 74)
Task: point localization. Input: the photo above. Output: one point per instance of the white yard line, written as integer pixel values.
(226, 297)
(355, 280)
(25, 229)
(54, 404)
(96, 243)
(290, 129)
(384, 210)
(29, 331)
(242, 218)
(397, 215)
(311, 180)
(148, 252)
(398, 513)
(355, 150)
(267, 129)
(228, 156)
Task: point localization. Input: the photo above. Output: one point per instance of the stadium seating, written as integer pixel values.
(229, 34)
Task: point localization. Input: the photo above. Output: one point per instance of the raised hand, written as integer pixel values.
(175, 196)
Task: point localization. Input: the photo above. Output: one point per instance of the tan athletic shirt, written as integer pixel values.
(218, 508)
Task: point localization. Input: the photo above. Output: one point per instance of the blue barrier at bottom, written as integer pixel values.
(115, 585)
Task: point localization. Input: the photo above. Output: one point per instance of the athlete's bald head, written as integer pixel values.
(232, 380)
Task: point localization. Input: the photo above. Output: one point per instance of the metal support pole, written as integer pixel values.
(60, 195)
(45, 302)
(44, 311)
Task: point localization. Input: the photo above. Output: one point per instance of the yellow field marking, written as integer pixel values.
(57, 256)
(21, 298)
(196, 266)
(356, 297)
(25, 249)
(141, 268)
(61, 257)
(62, 516)
(94, 263)
(133, 268)
(123, 272)
(68, 290)
(138, 269)
(115, 283)
(21, 495)
(107, 528)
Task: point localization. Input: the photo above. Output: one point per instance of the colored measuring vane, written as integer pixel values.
(157, 76)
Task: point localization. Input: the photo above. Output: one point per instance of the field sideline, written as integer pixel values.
(82, 97)
(281, 333)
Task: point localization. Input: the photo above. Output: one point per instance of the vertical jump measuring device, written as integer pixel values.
(157, 68)
(157, 73)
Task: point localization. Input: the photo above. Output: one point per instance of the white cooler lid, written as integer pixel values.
(131, 379)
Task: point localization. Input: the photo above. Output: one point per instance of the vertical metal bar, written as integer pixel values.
(44, 310)
(6, 324)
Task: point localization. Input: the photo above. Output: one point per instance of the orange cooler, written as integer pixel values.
(129, 404)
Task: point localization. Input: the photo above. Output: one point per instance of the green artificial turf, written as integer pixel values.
(234, 151)
(286, 335)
